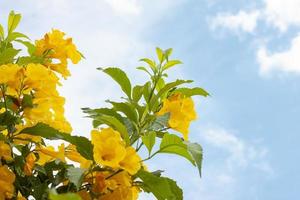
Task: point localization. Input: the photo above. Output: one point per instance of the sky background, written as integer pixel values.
(245, 53)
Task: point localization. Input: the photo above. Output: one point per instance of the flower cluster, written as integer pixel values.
(105, 167)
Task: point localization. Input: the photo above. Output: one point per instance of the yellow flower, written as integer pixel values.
(7, 178)
(30, 161)
(182, 112)
(20, 197)
(72, 154)
(109, 149)
(48, 154)
(58, 49)
(9, 73)
(132, 161)
(40, 78)
(5, 151)
(124, 189)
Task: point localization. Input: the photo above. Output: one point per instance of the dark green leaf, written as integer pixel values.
(162, 188)
(120, 77)
(83, 145)
(125, 108)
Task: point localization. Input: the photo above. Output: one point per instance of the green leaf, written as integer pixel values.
(196, 152)
(30, 47)
(173, 144)
(120, 77)
(14, 35)
(151, 63)
(171, 63)
(149, 140)
(188, 92)
(160, 54)
(83, 145)
(7, 56)
(1, 32)
(75, 175)
(143, 69)
(160, 122)
(27, 101)
(162, 188)
(125, 108)
(94, 113)
(168, 53)
(137, 93)
(146, 91)
(13, 21)
(66, 196)
(115, 124)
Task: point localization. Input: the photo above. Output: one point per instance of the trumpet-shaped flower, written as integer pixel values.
(109, 149)
(182, 112)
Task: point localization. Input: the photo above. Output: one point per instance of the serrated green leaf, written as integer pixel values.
(173, 144)
(120, 77)
(115, 124)
(161, 187)
(13, 21)
(188, 92)
(149, 140)
(196, 152)
(83, 145)
(171, 63)
(75, 175)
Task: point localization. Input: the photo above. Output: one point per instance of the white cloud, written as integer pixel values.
(242, 21)
(125, 6)
(286, 61)
(282, 13)
(241, 154)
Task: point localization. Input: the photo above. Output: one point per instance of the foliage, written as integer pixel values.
(155, 115)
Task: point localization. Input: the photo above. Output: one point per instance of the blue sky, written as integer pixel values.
(245, 54)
